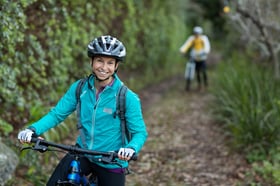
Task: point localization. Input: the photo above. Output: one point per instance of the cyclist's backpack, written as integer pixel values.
(120, 111)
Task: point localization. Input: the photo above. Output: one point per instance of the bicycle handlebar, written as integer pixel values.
(42, 146)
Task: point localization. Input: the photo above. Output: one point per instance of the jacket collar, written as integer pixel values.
(115, 86)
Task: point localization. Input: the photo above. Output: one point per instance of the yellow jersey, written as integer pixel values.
(199, 45)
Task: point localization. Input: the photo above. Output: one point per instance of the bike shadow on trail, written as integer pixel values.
(185, 146)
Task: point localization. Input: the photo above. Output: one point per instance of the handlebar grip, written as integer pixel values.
(34, 140)
(134, 157)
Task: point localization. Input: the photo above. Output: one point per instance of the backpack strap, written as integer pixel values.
(121, 103)
(121, 108)
(78, 109)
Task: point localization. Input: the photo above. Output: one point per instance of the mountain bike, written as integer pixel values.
(189, 72)
(75, 176)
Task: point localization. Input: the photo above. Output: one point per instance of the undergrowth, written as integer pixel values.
(247, 102)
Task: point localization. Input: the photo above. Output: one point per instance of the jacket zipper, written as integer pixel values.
(93, 117)
(93, 123)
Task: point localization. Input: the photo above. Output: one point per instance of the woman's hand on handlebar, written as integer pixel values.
(125, 153)
(26, 135)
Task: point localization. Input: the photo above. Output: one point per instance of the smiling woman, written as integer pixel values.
(103, 68)
(100, 129)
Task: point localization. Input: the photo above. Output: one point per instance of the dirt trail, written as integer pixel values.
(185, 147)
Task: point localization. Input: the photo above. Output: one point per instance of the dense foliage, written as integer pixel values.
(43, 47)
(43, 50)
(210, 12)
(248, 105)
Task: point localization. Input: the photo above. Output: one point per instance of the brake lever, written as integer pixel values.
(25, 148)
(39, 147)
(107, 159)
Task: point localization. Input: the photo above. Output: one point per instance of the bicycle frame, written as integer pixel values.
(75, 177)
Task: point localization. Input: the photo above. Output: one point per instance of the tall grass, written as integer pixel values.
(248, 103)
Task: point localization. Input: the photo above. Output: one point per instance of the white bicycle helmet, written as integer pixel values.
(107, 46)
(197, 30)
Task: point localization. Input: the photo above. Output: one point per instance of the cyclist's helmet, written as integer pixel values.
(197, 30)
(107, 46)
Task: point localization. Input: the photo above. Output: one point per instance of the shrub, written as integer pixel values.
(247, 100)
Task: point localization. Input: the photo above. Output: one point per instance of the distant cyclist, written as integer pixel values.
(199, 47)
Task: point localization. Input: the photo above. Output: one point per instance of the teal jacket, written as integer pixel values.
(101, 127)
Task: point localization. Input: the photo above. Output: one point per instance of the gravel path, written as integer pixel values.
(185, 147)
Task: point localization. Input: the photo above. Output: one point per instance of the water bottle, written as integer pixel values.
(74, 172)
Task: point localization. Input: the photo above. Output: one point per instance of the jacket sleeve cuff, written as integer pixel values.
(34, 130)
